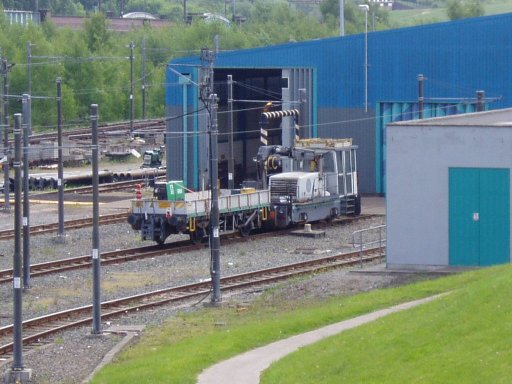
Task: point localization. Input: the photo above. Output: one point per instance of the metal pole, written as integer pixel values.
(2, 99)
(480, 105)
(26, 202)
(60, 170)
(380, 242)
(214, 214)
(342, 17)
(18, 373)
(131, 85)
(420, 96)
(185, 82)
(17, 324)
(143, 79)
(209, 57)
(231, 158)
(304, 130)
(365, 8)
(366, 60)
(96, 317)
(29, 62)
(7, 183)
(2, 119)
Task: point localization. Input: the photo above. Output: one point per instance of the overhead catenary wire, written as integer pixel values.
(318, 125)
(80, 60)
(34, 148)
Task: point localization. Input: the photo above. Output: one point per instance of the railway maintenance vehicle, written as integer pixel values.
(315, 180)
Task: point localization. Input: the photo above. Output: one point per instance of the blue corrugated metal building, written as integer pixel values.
(457, 58)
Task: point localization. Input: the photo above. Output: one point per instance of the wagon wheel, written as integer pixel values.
(197, 236)
(245, 230)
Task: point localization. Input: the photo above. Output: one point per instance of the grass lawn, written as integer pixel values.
(434, 15)
(461, 338)
(467, 323)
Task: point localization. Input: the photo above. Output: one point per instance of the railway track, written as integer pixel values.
(68, 224)
(37, 329)
(125, 255)
(112, 187)
(112, 257)
(103, 129)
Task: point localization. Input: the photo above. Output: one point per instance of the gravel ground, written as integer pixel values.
(71, 356)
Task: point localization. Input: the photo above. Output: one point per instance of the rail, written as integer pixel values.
(39, 328)
(369, 240)
(8, 234)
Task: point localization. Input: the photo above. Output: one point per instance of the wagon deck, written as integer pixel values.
(197, 204)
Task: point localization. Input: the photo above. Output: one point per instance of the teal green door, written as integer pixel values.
(479, 216)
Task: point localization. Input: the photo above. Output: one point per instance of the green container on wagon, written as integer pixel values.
(175, 190)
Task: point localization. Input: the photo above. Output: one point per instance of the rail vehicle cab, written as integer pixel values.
(321, 183)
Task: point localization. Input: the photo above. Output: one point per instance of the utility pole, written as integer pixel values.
(3, 155)
(421, 99)
(17, 263)
(342, 17)
(60, 170)
(304, 129)
(96, 302)
(365, 8)
(7, 183)
(208, 95)
(26, 203)
(18, 373)
(231, 156)
(29, 63)
(480, 101)
(143, 79)
(131, 85)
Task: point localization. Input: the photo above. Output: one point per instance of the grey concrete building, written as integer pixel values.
(448, 190)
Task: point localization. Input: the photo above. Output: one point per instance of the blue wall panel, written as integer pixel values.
(457, 58)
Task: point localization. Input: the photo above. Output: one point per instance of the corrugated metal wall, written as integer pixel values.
(457, 58)
(298, 78)
(185, 146)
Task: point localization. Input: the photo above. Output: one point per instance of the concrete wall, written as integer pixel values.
(419, 156)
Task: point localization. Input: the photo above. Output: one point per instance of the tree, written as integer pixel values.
(96, 34)
(66, 7)
(460, 9)
(23, 5)
(93, 62)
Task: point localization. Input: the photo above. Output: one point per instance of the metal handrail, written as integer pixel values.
(361, 245)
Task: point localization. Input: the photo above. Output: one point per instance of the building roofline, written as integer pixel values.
(494, 118)
(337, 39)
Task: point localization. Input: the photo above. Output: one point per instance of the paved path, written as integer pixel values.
(246, 368)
